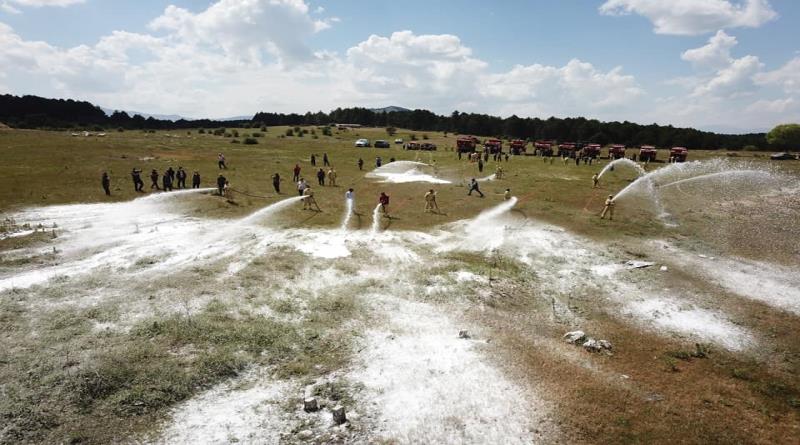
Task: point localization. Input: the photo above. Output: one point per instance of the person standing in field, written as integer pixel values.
(507, 194)
(480, 165)
(430, 201)
(473, 187)
(166, 181)
(378, 162)
(383, 200)
(296, 176)
(332, 177)
(308, 200)
(138, 184)
(196, 180)
(360, 164)
(154, 180)
(221, 181)
(350, 195)
(609, 208)
(106, 183)
(321, 177)
(302, 185)
(325, 161)
(276, 183)
(181, 175)
(221, 161)
(313, 160)
(595, 180)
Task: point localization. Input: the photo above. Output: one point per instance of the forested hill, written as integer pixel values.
(37, 112)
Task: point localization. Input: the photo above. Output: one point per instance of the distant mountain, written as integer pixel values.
(172, 117)
(389, 109)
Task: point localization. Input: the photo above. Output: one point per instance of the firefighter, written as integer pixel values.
(507, 194)
(308, 200)
(138, 184)
(430, 201)
(332, 177)
(221, 161)
(302, 185)
(350, 195)
(473, 187)
(171, 174)
(296, 172)
(314, 160)
(325, 161)
(276, 183)
(498, 173)
(221, 181)
(166, 181)
(154, 180)
(480, 165)
(360, 164)
(383, 200)
(196, 180)
(595, 180)
(106, 182)
(378, 162)
(609, 208)
(321, 177)
(181, 175)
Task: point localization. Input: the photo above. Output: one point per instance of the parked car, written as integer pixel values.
(362, 143)
(782, 157)
(380, 143)
(398, 141)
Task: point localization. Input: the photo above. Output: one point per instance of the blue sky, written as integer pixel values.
(720, 64)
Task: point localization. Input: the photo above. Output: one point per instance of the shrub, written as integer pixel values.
(258, 135)
(201, 131)
(289, 132)
(413, 137)
(297, 129)
(219, 132)
(425, 137)
(234, 141)
(391, 131)
(235, 134)
(120, 129)
(228, 135)
(250, 141)
(327, 131)
(264, 128)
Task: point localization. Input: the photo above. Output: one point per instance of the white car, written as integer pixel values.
(399, 141)
(362, 143)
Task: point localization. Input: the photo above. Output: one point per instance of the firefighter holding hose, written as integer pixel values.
(609, 208)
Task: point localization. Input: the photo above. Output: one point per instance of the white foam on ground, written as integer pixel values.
(464, 276)
(699, 324)
(432, 387)
(400, 172)
(228, 414)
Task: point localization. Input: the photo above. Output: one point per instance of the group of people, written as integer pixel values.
(171, 179)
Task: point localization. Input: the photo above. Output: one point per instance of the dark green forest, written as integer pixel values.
(32, 112)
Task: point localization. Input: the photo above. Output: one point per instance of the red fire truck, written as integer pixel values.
(543, 148)
(616, 151)
(647, 153)
(678, 154)
(518, 146)
(567, 149)
(493, 146)
(465, 144)
(592, 150)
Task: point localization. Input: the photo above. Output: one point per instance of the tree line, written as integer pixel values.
(42, 113)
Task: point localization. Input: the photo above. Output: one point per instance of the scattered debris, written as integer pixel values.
(464, 335)
(574, 337)
(339, 416)
(663, 269)
(633, 264)
(593, 345)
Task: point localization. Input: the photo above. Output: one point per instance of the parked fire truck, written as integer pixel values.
(647, 153)
(465, 144)
(616, 151)
(678, 154)
(493, 146)
(518, 146)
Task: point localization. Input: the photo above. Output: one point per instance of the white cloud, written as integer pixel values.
(692, 17)
(716, 54)
(734, 80)
(787, 77)
(772, 106)
(12, 6)
(246, 28)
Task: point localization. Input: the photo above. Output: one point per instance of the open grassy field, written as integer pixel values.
(150, 308)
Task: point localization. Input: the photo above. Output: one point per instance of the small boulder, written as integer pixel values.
(605, 344)
(574, 337)
(464, 335)
(592, 345)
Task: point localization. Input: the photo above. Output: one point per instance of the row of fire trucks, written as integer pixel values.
(647, 153)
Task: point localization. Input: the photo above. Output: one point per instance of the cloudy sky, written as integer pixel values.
(729, 65)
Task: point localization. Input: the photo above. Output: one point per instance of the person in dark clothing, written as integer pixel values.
(378, 161)
(486, 155)
(195, 180)
(154, 180)
(221, 161)
(383, 200)
(221, 181)
(321, 177)
(577, 160)
(296, 172)
(325, 161)
(181, 175)
(360, 164)
(391, 160)
(276, 183)
(473, 187)
(459, 155)
(314, 160)
(480, 165)
(506, 157)
(106, 183)
(138, 184)
(166, 182)
(171, 174)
